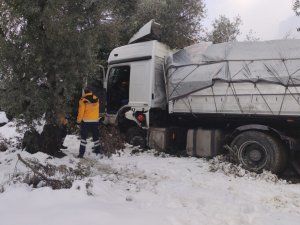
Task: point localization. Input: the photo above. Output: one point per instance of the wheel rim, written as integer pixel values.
(253, 155)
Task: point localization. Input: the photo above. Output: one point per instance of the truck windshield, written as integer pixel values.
(118, 88)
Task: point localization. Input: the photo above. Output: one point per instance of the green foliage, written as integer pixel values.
(47, 48)
(224, 30)
(180, 19)
(122, 14)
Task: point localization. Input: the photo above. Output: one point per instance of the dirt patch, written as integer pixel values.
(3, 146)
(48, 141)
(112, 140)
(222, 164)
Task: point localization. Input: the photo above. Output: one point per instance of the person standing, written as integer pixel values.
(88, 119)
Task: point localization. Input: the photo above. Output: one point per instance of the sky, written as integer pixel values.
(269, 19)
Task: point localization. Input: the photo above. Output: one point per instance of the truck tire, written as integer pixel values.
(136, 137)
(258, 151)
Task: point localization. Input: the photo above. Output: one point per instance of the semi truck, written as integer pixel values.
(209, 99)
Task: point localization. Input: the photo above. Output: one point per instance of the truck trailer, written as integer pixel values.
(209, 99)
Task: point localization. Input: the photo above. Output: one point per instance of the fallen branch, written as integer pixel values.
(55, 184)
(33, 170)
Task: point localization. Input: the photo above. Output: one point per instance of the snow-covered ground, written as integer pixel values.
(143, 189)
(3, 118)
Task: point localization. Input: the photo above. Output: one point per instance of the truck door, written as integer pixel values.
(117, 88)
(140, 84)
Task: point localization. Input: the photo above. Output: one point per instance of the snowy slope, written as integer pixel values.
(9, 131)
(143, 189)
(3, 118)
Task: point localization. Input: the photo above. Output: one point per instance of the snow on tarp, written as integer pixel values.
(198, 66)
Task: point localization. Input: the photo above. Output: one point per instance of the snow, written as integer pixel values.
(146, 189)
(3, 118)
(39, 124)
(10, 131)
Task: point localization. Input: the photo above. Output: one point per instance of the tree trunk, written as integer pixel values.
(49, 141)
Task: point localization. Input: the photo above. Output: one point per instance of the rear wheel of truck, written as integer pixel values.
(257, 151)
(136, 137)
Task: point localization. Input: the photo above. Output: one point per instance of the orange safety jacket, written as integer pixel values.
(88, 110)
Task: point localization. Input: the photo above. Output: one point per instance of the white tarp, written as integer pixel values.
(197, 67)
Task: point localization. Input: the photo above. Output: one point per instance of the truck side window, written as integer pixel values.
(118, 88)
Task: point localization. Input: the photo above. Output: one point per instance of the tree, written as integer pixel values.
(224, 30)
(296, 7)
(123, 13)
(251, 36)
(47, 48)
(180, 19)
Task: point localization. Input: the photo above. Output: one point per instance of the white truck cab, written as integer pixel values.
(135, 81)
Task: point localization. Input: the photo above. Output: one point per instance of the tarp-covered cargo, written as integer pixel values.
(235, 78)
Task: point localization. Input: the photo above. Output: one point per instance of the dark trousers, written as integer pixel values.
(85, 128)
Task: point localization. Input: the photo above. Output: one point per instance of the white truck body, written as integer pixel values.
(252, 78)
(259, 78)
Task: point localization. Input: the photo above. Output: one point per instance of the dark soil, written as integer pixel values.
(3, 146)
(112, 141)
(48, 142)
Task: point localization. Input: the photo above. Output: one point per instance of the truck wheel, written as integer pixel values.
(258, 151)
(136, 137)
